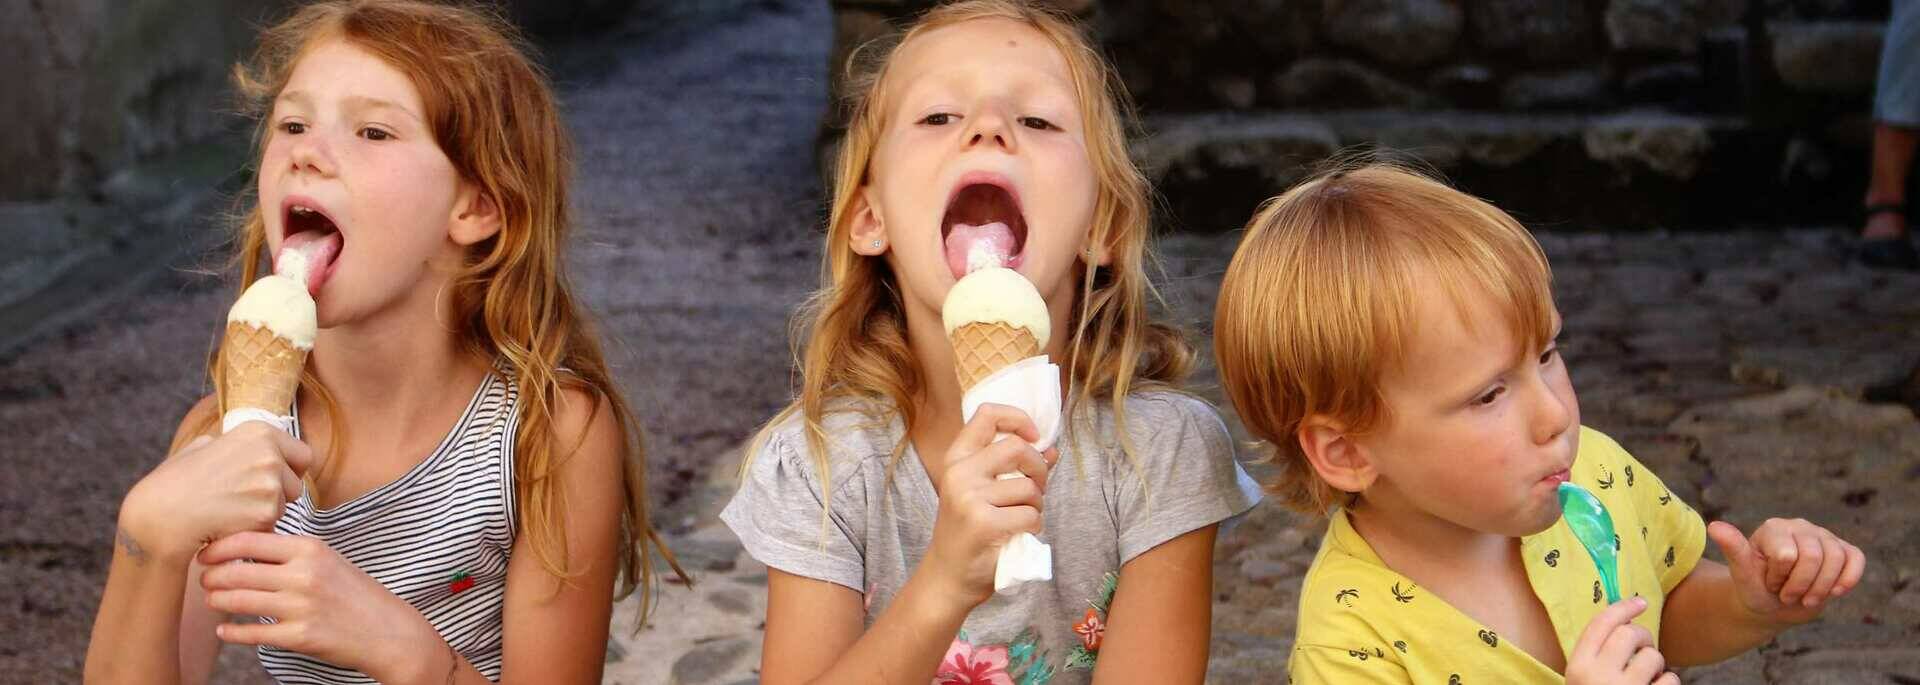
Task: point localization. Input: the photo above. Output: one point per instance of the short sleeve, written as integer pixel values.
(1676, 535)
(778, 515)
(1322, 664)
(1186, 478)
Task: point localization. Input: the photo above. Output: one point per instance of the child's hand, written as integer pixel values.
(1613, 650)
(214, 487)
(978, 512)
(322, 605)
(1790, 568)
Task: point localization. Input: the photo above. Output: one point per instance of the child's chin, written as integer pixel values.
(1538, 522)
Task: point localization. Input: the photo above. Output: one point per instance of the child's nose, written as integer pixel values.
(990, 129)
(1551, 416)
(311, 153)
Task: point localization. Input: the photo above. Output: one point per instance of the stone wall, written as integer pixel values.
(1613, 112)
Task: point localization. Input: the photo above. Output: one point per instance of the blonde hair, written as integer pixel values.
(855, 324)
(1317, 304)
(492, 112)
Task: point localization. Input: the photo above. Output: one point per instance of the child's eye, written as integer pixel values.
(1037, 123)
(293, 127)
(1547, 356)
(1489, 397)
(371, 133)
(938, 119)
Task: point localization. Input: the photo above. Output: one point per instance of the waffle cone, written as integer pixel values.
(262, 369)
(979, 349)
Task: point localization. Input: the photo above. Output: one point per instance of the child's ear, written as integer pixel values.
(868, 231)
(476, 216)
(1334, 454)
(1098, 251)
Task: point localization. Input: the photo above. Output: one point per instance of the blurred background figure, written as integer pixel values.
(1884, 242)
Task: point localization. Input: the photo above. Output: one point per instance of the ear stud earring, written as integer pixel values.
(877, 244)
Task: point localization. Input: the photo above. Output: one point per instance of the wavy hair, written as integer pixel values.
(492, 112)
(854, 327)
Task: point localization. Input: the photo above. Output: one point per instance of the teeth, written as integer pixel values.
(302, 210)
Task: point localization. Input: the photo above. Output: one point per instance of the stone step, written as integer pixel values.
(1622, 169)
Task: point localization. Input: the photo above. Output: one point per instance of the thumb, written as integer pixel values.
(1732, 543)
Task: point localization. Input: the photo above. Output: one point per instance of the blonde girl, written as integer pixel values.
(474, 491)
(875, 507)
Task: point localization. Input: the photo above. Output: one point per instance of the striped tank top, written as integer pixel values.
(437, 537)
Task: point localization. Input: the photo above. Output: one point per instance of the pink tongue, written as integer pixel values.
(995, 237)
(320, 248)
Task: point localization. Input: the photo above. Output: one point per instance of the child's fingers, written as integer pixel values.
(243, 577)
(290, 485)
(1646, 664)
(262, 547)
(275, 634)
(1833, 560)
(1011, 456)
(1806, 567)
(1740, 553)
(1010, 492)
(1020, 518)
(1668, 678)
(1856, 568)
(249, 602)
(297, 454)
(991, 420)
(1601, 627)
(1624, 642)
(1778, 552)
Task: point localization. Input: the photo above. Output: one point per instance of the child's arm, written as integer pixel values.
(153, 626)
(1781, 578)
(326, 608)
(556, 631)
(1159, 625)
(814, 631)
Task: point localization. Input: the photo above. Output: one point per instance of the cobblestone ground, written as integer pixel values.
(1731, 362)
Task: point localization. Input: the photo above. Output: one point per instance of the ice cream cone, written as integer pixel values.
(982, 348)
(262, 369)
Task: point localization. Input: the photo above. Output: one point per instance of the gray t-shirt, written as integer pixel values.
(1100, 513)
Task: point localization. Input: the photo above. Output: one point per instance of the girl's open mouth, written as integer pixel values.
(983, 226)
(311, 231)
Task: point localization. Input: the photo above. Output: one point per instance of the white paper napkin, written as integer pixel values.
(234, 418)
(1031, 385)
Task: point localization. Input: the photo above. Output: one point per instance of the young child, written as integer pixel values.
(1394, 340)
(474, 484)
(877, 510)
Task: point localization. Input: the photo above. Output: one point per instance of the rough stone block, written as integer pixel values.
(1671, 26)
(1668, 145)
(1827, 57)
(1323, 82)
(1400, 32)
(1538, 33)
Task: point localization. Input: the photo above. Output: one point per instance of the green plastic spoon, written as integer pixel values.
(1594, 527)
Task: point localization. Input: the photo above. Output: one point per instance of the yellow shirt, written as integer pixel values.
(1360, 622)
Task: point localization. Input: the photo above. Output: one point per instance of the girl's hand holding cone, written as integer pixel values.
(213, 487)
(979, 512)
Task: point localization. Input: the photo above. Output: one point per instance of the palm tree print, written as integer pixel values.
(1346, 597)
